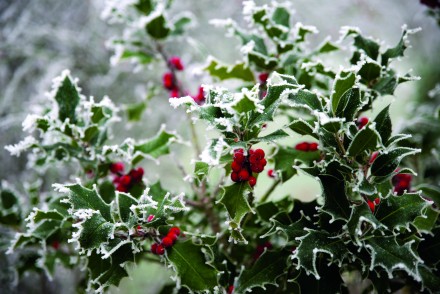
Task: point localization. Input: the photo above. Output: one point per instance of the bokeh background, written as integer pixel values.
(40, 38)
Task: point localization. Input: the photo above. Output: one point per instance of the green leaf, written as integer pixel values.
(292, 231)
(124, 202)
(144, 6)
(386, 163)
(274, 136)
(180, 24)
(94, 231)
(335, 199)
(383, 124)
(284, 160)
(370, 71)
(390, 255)
(386, 84)
(305, 99)
(67, 98)
(366, 139)
(326, 47)
(368, 45)
(318, 243)
(135, 111)
(396, 51)
(349, 104)
(192, 267)
(237, 71)
(400, 211)
(40, 215)
(430, 191)
(201, 170)
(83, 198)
(360, 215)
(343, 82)
(158, 27)
(262, 61)
(302, 127)
(281, 16)
(265, 271)
(430, 279)
(139, 56)
(234, 198)
(153, 147)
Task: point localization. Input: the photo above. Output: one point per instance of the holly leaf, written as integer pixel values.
(396, 51)
(344, 81)
(239, 70)
(158, 27)
(93, 231)
(383, 124)
(400, 211)
(265, 271)
(304, 99)
(302, 127)
(390, 255)
(366, 139)
(292, 231)
(67, 98)
(349, 104)
(386, 163)
(192, 267)
(335, 200)
(362, 214)
(124, 202)
(317, 243)
(234, 198)
(370, 71)
(154, 147)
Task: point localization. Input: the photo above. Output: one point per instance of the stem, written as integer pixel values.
(270, 190)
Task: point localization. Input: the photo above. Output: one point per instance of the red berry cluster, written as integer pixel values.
(306, 146)
(401, 182)
(125, 182)
(176, 63)
(243, 166)
(361, 122)
(372, 204)
(167, 241)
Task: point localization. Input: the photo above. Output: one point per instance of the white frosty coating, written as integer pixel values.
(83, 215)
(29, 122)
(21, 146)
(107, 253)
(186, 100)
(218, 148)
(311, 29)
(347, 30)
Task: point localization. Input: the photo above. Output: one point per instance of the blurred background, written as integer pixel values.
(40, 38)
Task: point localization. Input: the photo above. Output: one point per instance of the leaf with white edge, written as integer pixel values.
(368, 45)
(305, 99)
(315, 243)
(67, 97)
(360, 215)
(335, 200)
(158, 27)
(247, 102)
(39, 215)
(386, 163)
(284, 160)
(426, 223)
(93, 230)
(349, 104)
(266, 270)
(366, 139)
(201, 170)
(431, 192)
(430, 279)
(237, 71)
(388, 254)
(398, 212)
(124, 202)
(396, 138)
(136, 110)
(192, 267)
(87, 199)
(344, 81)
(154, 147)
(272, 137)
(383, 124)
(139, 56)
(181, 23)
(327, 46)
(302, 127)
(234, 198)
(292, 231)
(281, 16)
(370, 71)
(399, 49)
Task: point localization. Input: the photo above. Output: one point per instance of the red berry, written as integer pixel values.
(174, 93)
(313, 146)
(361, 122)
(116, 180)
(125, 180)
(231, 289)
(239, 158)
(252, 181)
(377, 201)
(303, 146)
(263, 162)
(373, 157)
(176, 62)
(150, 218)
(154, 248)
(200, 97)
(117, 167)
(160, 250)
(263, 77)
(234, 177)
(235, 166)
(55, 244)
(168, 81)
(174, 230)
(271, 173)
(167, 242)
(138, 228)
(371, 205)
(121, 188)
(137, 174)
(259, 153)
(172, 236)
(243, 175)
(257, 168)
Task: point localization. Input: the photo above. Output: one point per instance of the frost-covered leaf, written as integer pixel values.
(266, 270)
(429, 278)
(67, 98)
(366, 139)
(234, 198)
(431, 192)
(316, 243)
(305, 99)
(386, 163)
(157, 27)
(223, 72)
(201, 170)
(390, 255)
(398, 50)
(360, 215)
(93, 231)
(293, 230)
(400, 211)
(349, 104)
(192, 267)
(124, 202)
(302, 127)
(383, 124)
(344, 81)
(153, 147)
(370, 71)
(335, 199)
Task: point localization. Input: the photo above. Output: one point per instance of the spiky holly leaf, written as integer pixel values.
(335, 200)
(157, 27)
(234, 198)
(430, 278)
(93, 230)
(303, 99)
(201, 170)
(67, 98)
(431, 192)
(265, 271)
(360, 215)
(285, 158)
(383, 124)
(154, 147)
(398, 50)
(124, 203)
(365, 140)
(344, 81)
(317, 243)
(400, 211)
(386, 163)
(292, 231)
(370, 71)
(349, 104)
(223, 72)
(193, 266)
(302, 127)
(390, 255)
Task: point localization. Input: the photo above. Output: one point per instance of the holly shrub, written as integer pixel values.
(373, 228)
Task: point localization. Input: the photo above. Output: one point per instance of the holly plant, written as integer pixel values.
(280, 112)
